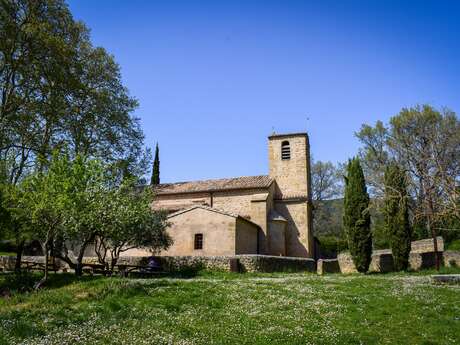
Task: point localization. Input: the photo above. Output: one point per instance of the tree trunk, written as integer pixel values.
(46, 262)
(19, 250)
(79, 269)
(42, 281)
(81, 253)
(432, 230)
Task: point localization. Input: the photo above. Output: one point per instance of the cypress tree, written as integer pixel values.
(356, 217)
(156, 168)
(397, 216)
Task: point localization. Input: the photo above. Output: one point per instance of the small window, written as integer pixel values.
(285, 150)
(198, 241)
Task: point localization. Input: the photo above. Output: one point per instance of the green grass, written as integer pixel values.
(224, 308)
(7, 254)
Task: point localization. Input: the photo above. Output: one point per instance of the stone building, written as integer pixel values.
(269, 214)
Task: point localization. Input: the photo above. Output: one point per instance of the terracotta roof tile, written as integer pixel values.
(244, 182)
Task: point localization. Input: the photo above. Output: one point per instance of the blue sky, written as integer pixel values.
(214, 78)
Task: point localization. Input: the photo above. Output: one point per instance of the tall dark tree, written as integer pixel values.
(356, 217)
(156, 168)
(397, 216)
(58, 90)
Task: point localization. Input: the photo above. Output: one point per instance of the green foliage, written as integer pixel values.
(453, 245)
(425, 142)
(332, 244)
(356, 217)
(156, 168)
(75, 202)
(380, 239)
(19, 282)
(327, 217)
(129, 222)
(59, 90)
(397, 215)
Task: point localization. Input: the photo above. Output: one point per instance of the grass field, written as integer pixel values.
(234, 309)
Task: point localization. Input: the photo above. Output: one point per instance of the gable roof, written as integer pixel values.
(224, 184)
(211, 209)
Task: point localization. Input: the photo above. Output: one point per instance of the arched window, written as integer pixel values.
(285, 150)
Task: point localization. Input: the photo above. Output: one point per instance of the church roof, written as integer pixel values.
(224, 184)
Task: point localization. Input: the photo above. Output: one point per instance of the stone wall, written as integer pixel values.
(451, 258)
(247, 263)
(7, 263)
(328, 266)
(426, 245)
(421, 256)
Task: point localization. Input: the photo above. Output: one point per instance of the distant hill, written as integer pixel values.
(327, 218)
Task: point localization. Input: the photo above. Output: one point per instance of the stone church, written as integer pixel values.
(268, 214)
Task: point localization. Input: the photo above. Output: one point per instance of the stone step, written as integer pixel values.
(446, 278)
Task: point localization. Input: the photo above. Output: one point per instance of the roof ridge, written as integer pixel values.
(214, 179)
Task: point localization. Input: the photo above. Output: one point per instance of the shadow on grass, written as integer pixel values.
(12, 283)
(25, 281)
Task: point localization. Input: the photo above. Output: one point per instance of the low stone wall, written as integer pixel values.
(451, 258)
(7, 263)
(327, 266)
(383, 262)
(421, 256)
(266, 263)
(246, 263)
(426, 245)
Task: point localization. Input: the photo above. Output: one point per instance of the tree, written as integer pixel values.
(85, 184)
(129, 222)
(356, 218)
(325, 181)
(425, 142)
(57, 90)
(327, 215)
(4, 214)
(16, 224)
(155, 180)
(397, 215)
(39, 200)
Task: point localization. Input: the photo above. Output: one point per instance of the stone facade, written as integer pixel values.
(278, 204)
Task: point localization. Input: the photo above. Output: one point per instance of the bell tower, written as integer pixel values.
(289, 166)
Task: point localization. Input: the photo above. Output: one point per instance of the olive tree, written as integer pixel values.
(128, 221)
